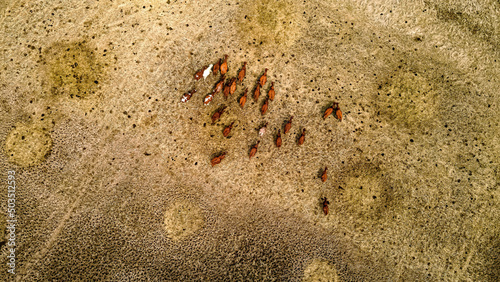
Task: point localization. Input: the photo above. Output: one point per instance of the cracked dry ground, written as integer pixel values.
(113, 172)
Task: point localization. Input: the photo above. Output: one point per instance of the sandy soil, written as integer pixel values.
(113, 173)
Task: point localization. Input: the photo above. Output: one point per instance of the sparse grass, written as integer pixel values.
(417, 83)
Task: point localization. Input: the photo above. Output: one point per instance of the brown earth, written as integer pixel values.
(113, 173)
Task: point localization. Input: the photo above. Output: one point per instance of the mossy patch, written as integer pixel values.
(409, 100)
(28, 144)
(471, 19)
(363, 196)
(366, 194)
(182, 219)
(320, 270)
(270, 23)
(73, 70)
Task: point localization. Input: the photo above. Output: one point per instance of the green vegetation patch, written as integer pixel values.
(320, 270)
(28, 144)
(182, 219)
(74, 70)
(270, 23)
(409, 100)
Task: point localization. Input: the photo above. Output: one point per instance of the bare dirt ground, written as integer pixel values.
(113, 173)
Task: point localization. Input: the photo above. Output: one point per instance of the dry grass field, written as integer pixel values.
(113, 174)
